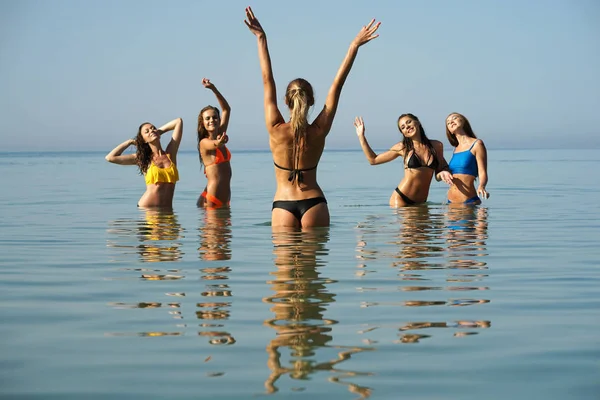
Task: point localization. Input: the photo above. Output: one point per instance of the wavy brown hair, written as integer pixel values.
(299, 97)
(202, 132)
(466, 127)
(408, 143)
(143, 154)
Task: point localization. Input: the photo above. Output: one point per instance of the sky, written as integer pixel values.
(83, 75)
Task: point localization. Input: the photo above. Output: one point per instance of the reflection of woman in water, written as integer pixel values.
(155, 238)
(467, 233)
(297, 145)
(215, 234)
(418, 239)
(158, 166)
(213, 153)
(160, 236)
(469, 161)
(299, 304)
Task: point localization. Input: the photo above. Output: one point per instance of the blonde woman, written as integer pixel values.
(297, 145)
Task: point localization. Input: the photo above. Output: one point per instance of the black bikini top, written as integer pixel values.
(295, 173)
(415, 162)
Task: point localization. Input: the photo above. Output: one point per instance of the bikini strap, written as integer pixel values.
(476, 140)
(295, 173)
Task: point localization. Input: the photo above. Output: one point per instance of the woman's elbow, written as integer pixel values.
(108, 158)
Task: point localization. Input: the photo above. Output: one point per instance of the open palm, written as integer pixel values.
(252, 23)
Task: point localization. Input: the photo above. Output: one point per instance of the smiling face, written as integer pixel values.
(149, 133)
(409, 127)
(454, 122)
(211, 120)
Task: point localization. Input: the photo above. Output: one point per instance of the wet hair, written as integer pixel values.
(143, 154)
(466, 127)
(408, 143)
(299, 97)
(202, 132)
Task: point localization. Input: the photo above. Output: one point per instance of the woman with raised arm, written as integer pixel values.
(158, 166)
(469, 161)
(297, 145)
(212, 128)
(423, 158)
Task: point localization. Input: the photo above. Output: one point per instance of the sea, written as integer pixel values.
(102, 300)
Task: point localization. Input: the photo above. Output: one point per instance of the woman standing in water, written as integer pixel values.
(468, 162)
(158, 166)
(423, 158)
(213, 153)
(297, 145)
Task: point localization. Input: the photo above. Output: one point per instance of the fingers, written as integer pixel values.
(250, 13)
(483, 194)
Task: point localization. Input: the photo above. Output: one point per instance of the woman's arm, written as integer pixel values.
(273, 116)
(481, 157)
(325, 119)
(177, 127)
(373, 158)
(442, 173)
(116, 157)
(225, 108)
(210, 144)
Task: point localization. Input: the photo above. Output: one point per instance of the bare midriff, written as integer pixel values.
(158, 195)
(462, 189)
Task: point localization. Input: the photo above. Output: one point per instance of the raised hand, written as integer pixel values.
(222, 139)
(253, 24)
(359, 124)
(207, 83)
(367, 33)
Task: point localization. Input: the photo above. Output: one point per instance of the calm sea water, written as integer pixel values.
(101, 300)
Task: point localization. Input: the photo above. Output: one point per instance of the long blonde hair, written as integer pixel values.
(299, 97)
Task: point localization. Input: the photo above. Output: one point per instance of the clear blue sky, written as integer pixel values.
(82, 75)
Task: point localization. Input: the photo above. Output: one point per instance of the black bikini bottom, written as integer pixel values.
(298, 207)
(405, 198)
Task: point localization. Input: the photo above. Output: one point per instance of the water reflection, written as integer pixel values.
(299, 303)
(466, 236)
(215, 234)
(158, 236)
(215, 307)
(417, 240)
(429, 247)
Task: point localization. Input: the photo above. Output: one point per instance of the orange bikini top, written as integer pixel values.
(155, 174)
(220, 157)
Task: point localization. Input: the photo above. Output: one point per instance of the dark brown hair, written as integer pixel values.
(407, 143)
(143, 154)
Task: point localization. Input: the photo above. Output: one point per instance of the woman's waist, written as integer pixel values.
(302, 192)
(461, 190)
(160, 188)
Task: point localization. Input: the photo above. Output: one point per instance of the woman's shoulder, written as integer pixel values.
(478, 143)
(398, 147)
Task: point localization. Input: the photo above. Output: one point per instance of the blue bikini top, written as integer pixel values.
(464, 162)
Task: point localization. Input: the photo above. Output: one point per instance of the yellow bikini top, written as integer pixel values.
(155, 174)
